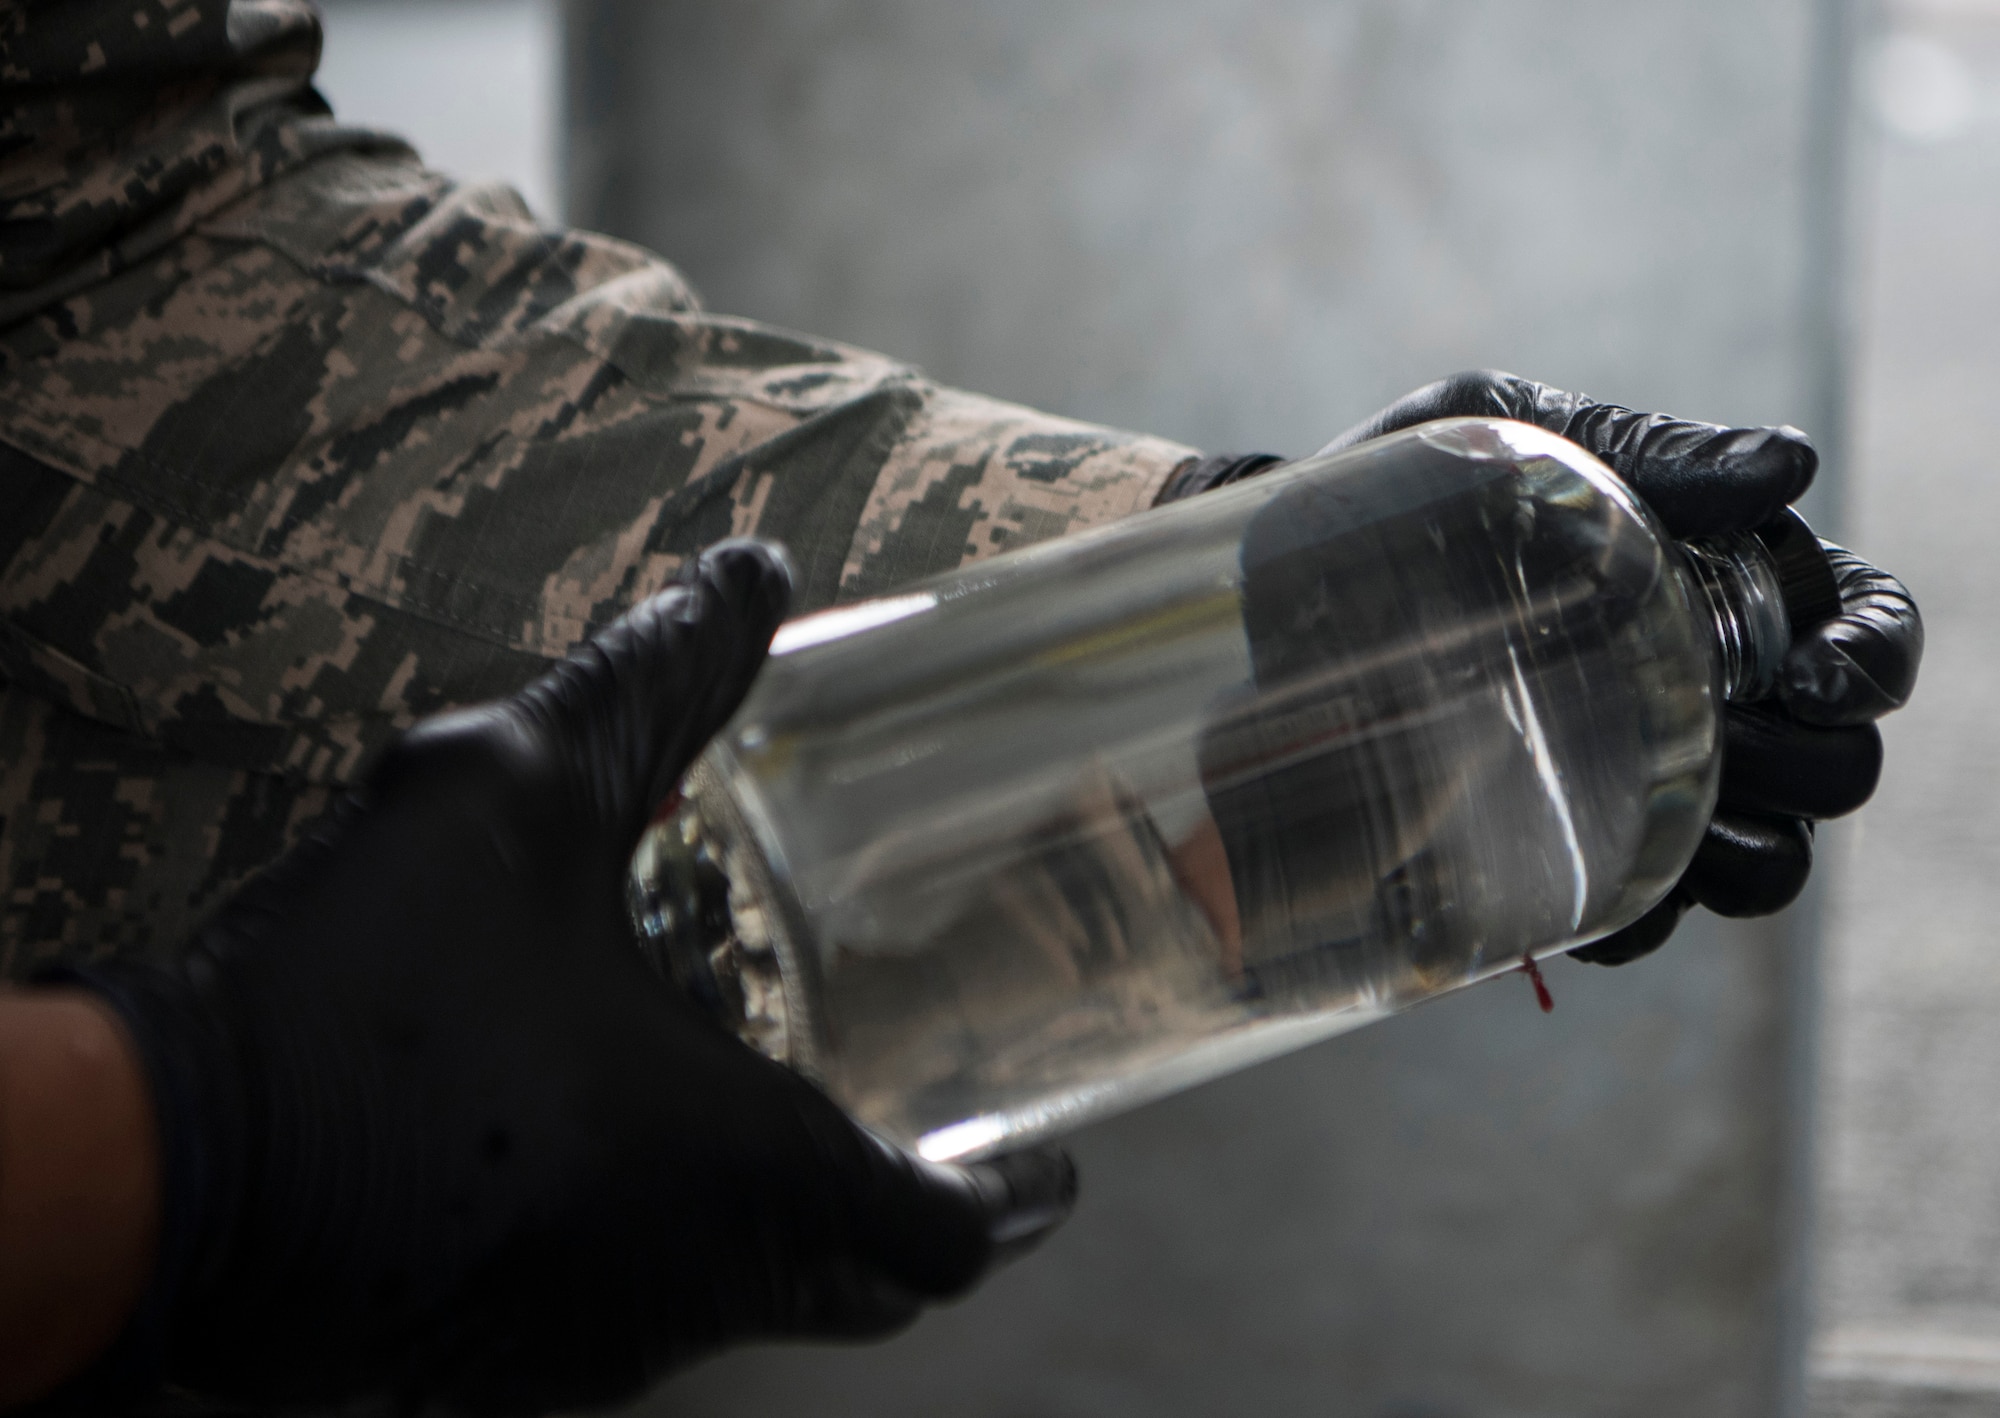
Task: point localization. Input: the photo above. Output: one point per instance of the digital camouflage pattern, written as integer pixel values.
(300, 441)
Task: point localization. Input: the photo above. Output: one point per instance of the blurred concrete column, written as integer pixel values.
(1246, 224)
(474, 84)
(1909, 1290)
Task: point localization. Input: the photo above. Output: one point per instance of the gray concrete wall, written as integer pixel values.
(476, 85)
(1910, 1255)
(1245, 225)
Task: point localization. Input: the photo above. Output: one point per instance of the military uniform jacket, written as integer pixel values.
(300, 441)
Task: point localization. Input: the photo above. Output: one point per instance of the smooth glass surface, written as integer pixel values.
(1099, 819)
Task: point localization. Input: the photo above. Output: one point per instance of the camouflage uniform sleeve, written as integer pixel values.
(363, 444)
(112, 843)
(367, 445)
(124, 123)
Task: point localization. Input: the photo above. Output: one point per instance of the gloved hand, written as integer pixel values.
(433, 1131)
(1809, 752)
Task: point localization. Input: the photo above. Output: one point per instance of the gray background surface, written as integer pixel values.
(1246, 225)
(1909, 1298)
(476, 84)
(1238, 222)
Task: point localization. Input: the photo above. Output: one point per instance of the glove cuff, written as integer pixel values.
(1204, 474)
(202, 1144)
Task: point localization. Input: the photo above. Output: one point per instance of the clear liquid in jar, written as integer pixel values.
(1045, 840)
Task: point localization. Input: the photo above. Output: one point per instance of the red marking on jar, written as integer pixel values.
(1542, 996)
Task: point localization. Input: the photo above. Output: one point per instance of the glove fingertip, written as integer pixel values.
(940, 1227)
(1028, 1194)
(1750, 864)
(1862, 664)
(1641, 938)
(1801, 455)
(1822, 684)
(741, 590)
(1757, 473)
(1777, 764)
(755, 578)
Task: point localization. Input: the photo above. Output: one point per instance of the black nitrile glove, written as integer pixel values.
(434, 1133)
(1809, 752)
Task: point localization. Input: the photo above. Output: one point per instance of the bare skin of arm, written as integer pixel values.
(1201, 865)
(79, 1187)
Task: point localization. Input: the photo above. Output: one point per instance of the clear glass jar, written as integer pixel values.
(1096, 820)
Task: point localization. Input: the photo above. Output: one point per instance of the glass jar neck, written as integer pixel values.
(706, 915)
(1734, 578)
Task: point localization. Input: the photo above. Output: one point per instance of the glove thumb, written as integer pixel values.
(629, 710)
(924, 1231)
(935, 1228)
